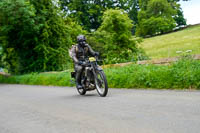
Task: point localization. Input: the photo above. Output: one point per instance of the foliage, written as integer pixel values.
(183, 74)
(54, 37)
(35, 36)
(56, 79)
(74, 28)
(89, 13)
(180, 75)
(17, 32)
(114, 38)
(155, 17)
(1, 62)
(179, 17)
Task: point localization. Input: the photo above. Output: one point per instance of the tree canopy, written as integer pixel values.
(114, 37)
(89, 12)
(155, 17)
(34, 36)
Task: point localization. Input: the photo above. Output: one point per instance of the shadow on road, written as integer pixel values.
(77, 96)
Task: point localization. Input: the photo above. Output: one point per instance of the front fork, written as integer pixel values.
(95, 74)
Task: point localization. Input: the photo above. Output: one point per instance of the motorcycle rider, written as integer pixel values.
(79, 53)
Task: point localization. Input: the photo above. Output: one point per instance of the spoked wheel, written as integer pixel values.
(101, 84)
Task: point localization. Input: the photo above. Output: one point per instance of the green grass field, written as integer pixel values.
(167, 45)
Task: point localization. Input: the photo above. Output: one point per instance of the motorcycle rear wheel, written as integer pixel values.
(101, 84)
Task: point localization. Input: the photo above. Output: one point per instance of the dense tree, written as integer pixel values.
(156, 17)
(179, 17)
(54, 36)
(114, 38)
(1, 62)
(89, 12)
(17, 33)
(35, 36)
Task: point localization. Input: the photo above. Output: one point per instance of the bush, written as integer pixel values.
(153, 26)
(186, 73)
(155, 17)
(180, 75)
(114, 38)
(54, 79)
(35, 36)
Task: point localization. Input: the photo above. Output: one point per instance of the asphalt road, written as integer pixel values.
(40, 109)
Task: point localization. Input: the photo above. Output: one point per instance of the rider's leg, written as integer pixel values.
(78, 69)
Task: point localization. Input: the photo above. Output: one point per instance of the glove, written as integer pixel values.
(82, 63)
(96, 54)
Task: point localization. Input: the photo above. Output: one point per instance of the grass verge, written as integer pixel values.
(183, 74)
(54, 79)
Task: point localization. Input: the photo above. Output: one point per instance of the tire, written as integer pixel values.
(81, 91)
(101, 84)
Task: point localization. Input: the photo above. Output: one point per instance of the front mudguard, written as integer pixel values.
(99, 68)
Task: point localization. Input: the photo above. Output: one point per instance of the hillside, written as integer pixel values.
(170, 45)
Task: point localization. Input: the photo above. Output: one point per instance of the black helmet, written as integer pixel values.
(81, 38)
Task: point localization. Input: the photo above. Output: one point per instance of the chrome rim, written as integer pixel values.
(100, 85)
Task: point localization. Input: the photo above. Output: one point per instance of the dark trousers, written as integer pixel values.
(78, 70)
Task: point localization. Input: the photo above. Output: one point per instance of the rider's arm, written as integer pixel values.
(74, 55)
(90, 50)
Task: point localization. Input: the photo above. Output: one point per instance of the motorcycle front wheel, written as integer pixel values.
(101, 83)
(81, 91)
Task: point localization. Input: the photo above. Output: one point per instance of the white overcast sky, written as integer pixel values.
(191, 10)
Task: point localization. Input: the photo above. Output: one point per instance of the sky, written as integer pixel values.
(191, 10)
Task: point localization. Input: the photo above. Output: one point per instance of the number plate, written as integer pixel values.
(92, 59)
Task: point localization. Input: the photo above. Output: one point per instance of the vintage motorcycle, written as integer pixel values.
(92, 78)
